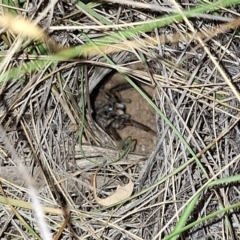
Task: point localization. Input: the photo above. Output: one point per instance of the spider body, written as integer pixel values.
(111, 114)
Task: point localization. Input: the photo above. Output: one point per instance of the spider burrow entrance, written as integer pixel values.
(121, 112)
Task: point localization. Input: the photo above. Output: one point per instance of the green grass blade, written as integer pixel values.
(117, 36)
(179, 228)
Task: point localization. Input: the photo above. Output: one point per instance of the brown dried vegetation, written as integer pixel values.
(42, 115)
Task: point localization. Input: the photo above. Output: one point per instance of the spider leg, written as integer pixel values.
(113, 133)
(120, 99)
(120, 87)
(115, 91)
(120, 119)
(131, 122)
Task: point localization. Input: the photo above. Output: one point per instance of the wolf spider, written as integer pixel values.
(111, 115)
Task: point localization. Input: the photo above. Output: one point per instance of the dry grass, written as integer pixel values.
(45, 158)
